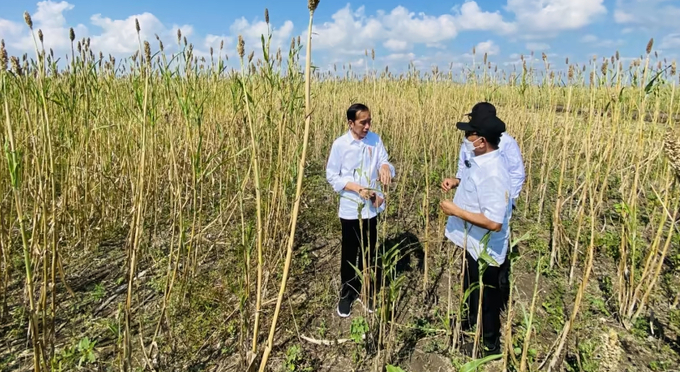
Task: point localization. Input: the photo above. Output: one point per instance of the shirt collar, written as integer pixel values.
(481, 159)
(351, 138)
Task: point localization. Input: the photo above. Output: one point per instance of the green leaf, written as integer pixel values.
(475, 364)
(391, 368)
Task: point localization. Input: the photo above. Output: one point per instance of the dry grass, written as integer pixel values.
(191, 175)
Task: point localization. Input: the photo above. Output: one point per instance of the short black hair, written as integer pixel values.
(354, 109)
(493, 140)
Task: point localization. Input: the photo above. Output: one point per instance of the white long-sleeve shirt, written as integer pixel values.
(357, 161)
(484, 188)
(512, 158)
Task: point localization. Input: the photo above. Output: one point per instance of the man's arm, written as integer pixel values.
(461, 163)
(493, 195)
(477, 219)
(338, 182)
(333, 168)
(384, 158)
(513, 157)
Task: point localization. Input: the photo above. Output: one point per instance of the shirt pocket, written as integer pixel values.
(470, 195)
(351, 164)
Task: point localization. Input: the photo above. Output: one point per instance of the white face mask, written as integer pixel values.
(469, 145)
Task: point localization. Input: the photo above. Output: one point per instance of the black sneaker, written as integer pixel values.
(368, 304)
(492, 347)
(347, 297)
(345, 307)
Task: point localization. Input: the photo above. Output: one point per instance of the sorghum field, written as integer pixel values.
(166, 213)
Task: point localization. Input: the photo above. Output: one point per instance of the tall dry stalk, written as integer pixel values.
(298, 191)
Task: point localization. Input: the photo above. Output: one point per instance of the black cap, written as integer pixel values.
(483, 109)
(483, 120)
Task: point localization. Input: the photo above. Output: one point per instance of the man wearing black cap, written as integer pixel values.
(508, 148)
(479, 221)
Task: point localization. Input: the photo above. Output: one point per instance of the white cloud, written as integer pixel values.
(252, 34)
(119, 37)
(670, 41)
(396, 45)
(48, 18)
(602, 43)
(650, 13)
(488, 47)
(471, 17)
(400, 30)
(589, 39)
(622, 17)
(399, 57)
(552, 16)
(539, 47)
(9, 29)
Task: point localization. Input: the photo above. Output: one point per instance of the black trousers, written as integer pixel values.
(354, 233)
(494, 299)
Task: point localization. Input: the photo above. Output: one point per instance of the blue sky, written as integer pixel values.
(400, 31)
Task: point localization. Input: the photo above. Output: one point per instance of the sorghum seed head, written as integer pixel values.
(250, 56)
(3, 59)
(160, 45)
(292, 43)
(650, 44)
(617, 55)
(485, 57)
(566, 61)
(240, 48)
(137, 25)
(27, 19)
(544, 57)
(147, 51)
(474, 50)
(312, 5)
(179, 35)
(266, 15)
(298, 40)
(71, 34)
(221, 44)
(604, 68)
(673, 69)
(373, 54)
(185, 40)
(15, 65)
(211, 51)
(40, 35)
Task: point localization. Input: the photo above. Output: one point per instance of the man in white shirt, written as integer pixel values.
(509, 150)
(479, 221)
(357, 165)
(512, 158)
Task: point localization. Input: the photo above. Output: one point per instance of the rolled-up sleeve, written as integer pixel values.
(334, 170)
(461, 163)
(493, 194)
(515, 166)
(384, 158)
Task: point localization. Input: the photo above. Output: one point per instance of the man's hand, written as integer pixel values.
(378, 201)
(449, 208)
(367, 194)
(385, 175)
(450, 183)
